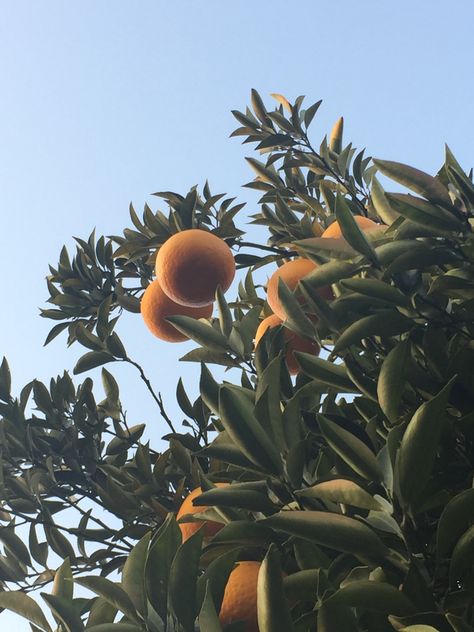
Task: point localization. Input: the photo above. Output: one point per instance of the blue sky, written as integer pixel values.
(105, 102)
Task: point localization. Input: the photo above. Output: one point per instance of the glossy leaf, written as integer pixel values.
(182, 581)
(351, 449)
(392, 379)
(383, 323)
(201, 332)
(416, 180)
(238, 418)
(273, 611)
(454, 521)
(20, 603)
(133, 574)
(372, 595)
(331, 530)
(419, 445)
(112, 592)
(351, 230)
(341, 491)
(64, 612)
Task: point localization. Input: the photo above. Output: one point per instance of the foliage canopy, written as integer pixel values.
(352, 482)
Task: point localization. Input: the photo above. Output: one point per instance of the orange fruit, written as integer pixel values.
(191, 264)
(333, 231)
(292, 340)
(291, 273)
(240, 596)
(155, 306)
(189, 528)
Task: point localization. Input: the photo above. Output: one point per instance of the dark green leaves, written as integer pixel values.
(182, 581)
(351, 449)
(351, 231)
(392, 378)
(419, 445)
(237, 416)
(416, 180)
(383, 323)
(273, 611)
(26, 607)
(331, 530)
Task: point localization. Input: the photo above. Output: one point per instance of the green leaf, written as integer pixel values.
(182, 581)
(92, 360)
(310, 112)
(334, 375)
(381, 204)
(237, 416)
(225, 316)
(462, 558)
(378, 290)
(351, 449)
(419, 628)
(201, 332)
(373, 595)
(115, 627)
(208, 619)
(392, 379)
(133, 574)
(23, 605)
(209, 389)
(341, 491)
(235, 497)
(110, 386)
(419, 445)
(335, 137)
(111, 592)
(415, 180)
(386, 322)
(298, 321)
(351, 231)
(87, 338)
(64, 612)
(332, 530)
(5, 381)
(267, 175)
(214, 579)
(63, 585)
(424, 213)
(15, 544)
(335, 618)
(457, 623)
(454, 521)
(302, 585)
(272, 609)
(101, 612)
(160, 557)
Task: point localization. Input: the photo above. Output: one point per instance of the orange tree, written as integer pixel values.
(338, 499)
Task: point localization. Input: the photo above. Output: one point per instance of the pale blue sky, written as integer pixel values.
(104, 102)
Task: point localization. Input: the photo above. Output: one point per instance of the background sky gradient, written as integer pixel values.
(104, 102)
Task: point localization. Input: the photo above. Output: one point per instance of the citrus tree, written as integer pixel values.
(327, 483)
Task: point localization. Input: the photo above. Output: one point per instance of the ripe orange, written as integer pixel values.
(292, 340)
(291, 273)
(191, 264)
(334, 231)
(240, 596)
(155, 306)
(189, 528)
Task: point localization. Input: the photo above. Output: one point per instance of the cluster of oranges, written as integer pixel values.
(291, 274)
(191, 265)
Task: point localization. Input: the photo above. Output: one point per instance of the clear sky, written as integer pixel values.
(104, 102)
